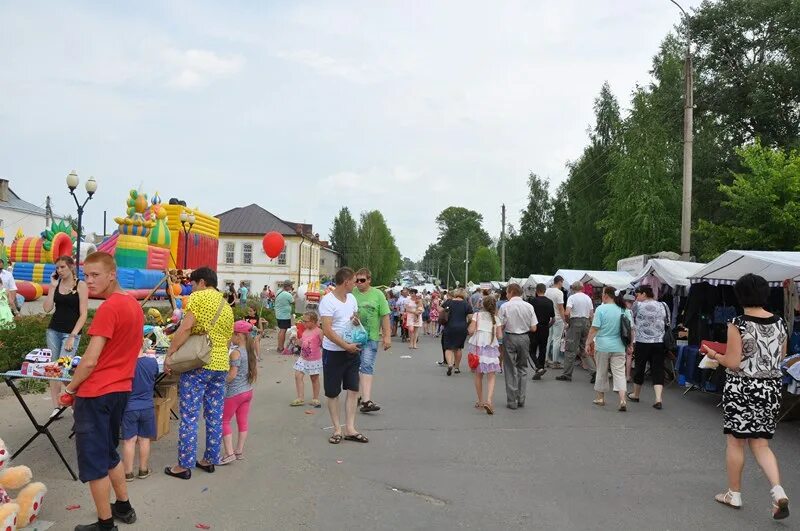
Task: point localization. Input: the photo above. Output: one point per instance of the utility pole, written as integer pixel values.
(466, 268)
(688, 143)
(503, 245)
(448, 271)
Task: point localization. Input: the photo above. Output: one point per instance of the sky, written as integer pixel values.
(307, 106)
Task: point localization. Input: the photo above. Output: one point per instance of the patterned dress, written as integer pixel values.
(484, 344)
(751, 400)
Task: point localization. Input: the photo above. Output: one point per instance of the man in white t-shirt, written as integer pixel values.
(341, 358)
(553, 352)
(578, 314)
(10, 286)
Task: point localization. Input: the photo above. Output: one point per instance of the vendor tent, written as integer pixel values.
(774, 266)
(674, 273)
(530, 282)
(515, 280)
(570, 275)
(616, 279)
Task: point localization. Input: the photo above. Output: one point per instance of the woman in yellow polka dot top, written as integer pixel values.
(206, 312)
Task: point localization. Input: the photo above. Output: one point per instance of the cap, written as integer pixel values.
(242, 327)
(287, 283)
(629, 297)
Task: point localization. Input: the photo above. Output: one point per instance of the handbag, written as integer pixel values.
(196, 350)
(473, 360)
(670, 343)
(444, 316)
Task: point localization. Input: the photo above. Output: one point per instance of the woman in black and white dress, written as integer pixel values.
(752, 396)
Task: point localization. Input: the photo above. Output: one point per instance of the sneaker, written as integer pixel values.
(144, 474)
(126, 516)
(563, 378)
(129, 476)
(730, 498)
(538, 374)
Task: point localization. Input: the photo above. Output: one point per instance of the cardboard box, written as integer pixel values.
(165, 399)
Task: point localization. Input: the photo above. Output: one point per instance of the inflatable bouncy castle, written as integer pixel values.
(148, 241)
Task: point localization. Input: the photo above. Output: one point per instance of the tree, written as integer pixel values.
(761, 206)
(376, 248)
(408, 264)
(344, 235)
(484, 266)
(455, 225)
(529, 251)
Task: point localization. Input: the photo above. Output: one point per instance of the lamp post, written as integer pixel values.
(187, 222)
(91, 188)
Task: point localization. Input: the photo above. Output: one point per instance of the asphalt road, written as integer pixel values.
(434, 462)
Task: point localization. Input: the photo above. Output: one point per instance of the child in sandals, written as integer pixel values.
(238, 390)
(309, 362)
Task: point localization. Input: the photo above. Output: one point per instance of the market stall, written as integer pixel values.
(673, 274)
(529, 284)
(615, 279)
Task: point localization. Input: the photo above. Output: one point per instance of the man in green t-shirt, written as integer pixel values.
(283, 311)
(373, 312)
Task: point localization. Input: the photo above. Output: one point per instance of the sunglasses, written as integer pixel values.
(361, 280)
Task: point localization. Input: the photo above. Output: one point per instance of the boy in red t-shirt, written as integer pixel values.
(101, 385)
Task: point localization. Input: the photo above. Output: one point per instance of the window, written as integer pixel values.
(322, 261)
(230, 251)
(247, 253)
(282, 257)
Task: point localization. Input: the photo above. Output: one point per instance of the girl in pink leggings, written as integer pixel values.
(238, 391)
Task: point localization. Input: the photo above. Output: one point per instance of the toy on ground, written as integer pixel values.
(24, 509)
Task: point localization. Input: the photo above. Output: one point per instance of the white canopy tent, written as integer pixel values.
(674, 273)
(774, 266)
(616, 279)
(530, 282)
(570, 275)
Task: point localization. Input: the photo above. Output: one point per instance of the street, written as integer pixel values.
(435, 462)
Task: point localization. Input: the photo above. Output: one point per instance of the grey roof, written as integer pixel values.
(15, 203)
(254, 219)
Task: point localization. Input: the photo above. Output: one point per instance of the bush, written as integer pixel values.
(30, 333)
(240, 312)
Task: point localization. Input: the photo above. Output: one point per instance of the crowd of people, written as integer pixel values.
(504, 333)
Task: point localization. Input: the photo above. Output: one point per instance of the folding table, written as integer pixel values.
(41, 429)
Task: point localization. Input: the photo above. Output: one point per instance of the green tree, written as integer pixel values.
(455, 225)
(408, 264)
(344, 235)
(529, 251)
(484, 266)
(761, 206)
(376, 248)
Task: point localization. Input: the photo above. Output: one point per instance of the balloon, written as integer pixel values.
(273, 244)
(177, 315)
(176, 289)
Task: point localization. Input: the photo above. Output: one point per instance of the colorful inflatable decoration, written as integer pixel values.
(273, 244)
(145, 246)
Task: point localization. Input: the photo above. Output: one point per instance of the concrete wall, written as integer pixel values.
(31, 224)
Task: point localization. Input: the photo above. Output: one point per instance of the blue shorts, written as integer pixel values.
(141, 423)
(56, 342)
(368, 354)
(97, 425)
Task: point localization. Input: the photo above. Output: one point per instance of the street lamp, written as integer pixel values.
(187, 222)
(91, 188)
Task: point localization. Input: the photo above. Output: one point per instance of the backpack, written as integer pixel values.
(625, 332)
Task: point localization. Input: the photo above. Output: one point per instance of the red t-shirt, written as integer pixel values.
(120, 320)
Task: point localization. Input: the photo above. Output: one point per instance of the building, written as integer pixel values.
(17, 214)
(329, 261)
(242, 258)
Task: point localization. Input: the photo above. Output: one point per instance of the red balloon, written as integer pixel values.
(273, 244)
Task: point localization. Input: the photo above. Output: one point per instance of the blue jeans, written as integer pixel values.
(207, 388)
(56, 341)
(368, 354)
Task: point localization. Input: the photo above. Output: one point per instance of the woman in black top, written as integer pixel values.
(231, 296)
(455, 331)
(70, 298)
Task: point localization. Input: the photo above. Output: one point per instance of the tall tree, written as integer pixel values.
(529, 251)
(455, 225)
(344, 235)
(376, 248)
(762, 205)
(485, 265)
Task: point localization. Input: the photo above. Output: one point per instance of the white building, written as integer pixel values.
(17, 214)
(329, 261)
(242, 257)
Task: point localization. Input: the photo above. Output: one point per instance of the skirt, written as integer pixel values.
(751, 406)
(454, 338)
(488, 358)
(308, 367)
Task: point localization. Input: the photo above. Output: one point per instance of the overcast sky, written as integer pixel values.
(303, 107)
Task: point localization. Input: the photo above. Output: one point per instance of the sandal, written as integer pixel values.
(356, 437)
(369, 406)
(489, 409)
(657, 405)
(623, 407)
(315, 403)
(297, 402)
(599, 402)
(336, 438)
(730, 499)
(228, 459)
(632, 398)
(478, 405)
(457, 371)
(239, 456)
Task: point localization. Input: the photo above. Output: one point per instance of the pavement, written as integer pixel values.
(435, 462)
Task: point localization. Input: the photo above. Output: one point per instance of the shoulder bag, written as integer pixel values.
(670, 344)
(196, 350)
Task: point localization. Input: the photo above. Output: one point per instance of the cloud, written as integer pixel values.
(326, 65)
(197, 68)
